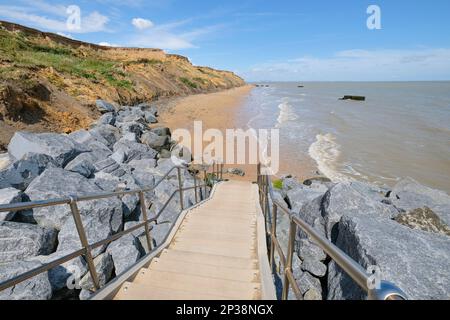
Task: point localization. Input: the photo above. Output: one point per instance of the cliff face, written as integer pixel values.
(49, 82)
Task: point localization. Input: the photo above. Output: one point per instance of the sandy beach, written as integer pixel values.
(216, 110)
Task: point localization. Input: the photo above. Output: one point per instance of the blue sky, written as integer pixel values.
(266, 40)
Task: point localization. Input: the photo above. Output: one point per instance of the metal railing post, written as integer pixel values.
(205, 182)
(221, 171)
(273, 235)
(195, 188)
(180, 186)
(144, 215)
(288, 267)
(84, 242)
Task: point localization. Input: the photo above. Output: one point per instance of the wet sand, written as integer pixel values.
(217, 110)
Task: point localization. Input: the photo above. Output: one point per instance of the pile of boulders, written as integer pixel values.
(404, 231)
(124, 150)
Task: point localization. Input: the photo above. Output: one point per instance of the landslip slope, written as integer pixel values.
(50, 83)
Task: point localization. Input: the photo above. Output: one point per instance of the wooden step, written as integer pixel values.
(133, 291)
(210, 259)
(206, 235)
(217, 272)
(210, 248)
(197, 284)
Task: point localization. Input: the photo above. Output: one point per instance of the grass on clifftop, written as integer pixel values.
(189, 83)
(26, 54)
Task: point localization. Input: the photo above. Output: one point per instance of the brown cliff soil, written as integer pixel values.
(50, 83)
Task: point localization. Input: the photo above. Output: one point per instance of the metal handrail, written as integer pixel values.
(386, 290)
(87, 248)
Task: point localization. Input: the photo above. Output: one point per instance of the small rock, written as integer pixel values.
(104, 106)
(163, 131)
(155, 141)
(107, 118)
(236, 171)
(314, 267)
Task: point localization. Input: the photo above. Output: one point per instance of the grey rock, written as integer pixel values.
(81, 165)
(236, 171)
(135, 151)
(345, 198)
(107, 165)
(424, 219)
(125, 252)
(36, 288)
(56, 183)
(60, 147)
(104, 266)
(106, 132)
(19, 241)
(107, 118)
(409, 195)
(308, 282)
(155, 141)
(132, 127)
(145, 164)
(162, 131)
(310, 251)
(104, 106)
(417, 262)
(9, 196)
(149, 117)
(20, 173)
(119, 156)
(312, 295)
(94, 142)
(298, 196)
(314, 267)
(165, 154)
(59, 276)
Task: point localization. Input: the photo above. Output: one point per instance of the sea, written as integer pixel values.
(401, 130)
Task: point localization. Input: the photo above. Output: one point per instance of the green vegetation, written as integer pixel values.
(24, 53)
(188, 82)
(201, 80)
(145, 61)
(278, 184)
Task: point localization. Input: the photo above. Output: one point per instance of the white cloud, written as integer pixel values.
(107, 44)
(359, 65)
(62, 34)
(33, 15)
(167, 37)
(141, 23)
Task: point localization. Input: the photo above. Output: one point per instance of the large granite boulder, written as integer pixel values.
(36, 288)
(57, 183)
(60, 147)
(86, 163)
(408, 195)
(298, 196)
(20, 173)
(9, 196)
(107, 118)
(21, 240)
(106, 132)
(93, 141)
(125, 252)
(347, 199)
(417, 262)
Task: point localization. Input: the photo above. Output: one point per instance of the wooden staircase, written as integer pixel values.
(214, 255)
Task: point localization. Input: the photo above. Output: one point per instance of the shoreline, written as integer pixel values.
(223, 110)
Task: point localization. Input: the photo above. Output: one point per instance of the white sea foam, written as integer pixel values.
(325, 151)
(287, 113)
